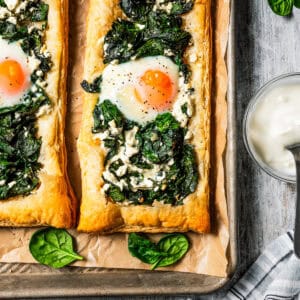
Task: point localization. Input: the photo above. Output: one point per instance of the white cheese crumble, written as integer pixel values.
(11, 4)
(4, 12)
(184, 97)
(44, 110)
(33, 63)
(11, 184)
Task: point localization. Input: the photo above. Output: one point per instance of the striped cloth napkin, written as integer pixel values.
(274, 276)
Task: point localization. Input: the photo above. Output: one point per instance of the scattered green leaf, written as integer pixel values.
(169, 250)
(282, 7)
(53, 247)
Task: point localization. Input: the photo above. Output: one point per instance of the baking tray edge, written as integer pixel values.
(139, 282)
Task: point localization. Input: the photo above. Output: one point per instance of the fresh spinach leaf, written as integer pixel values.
(175, 246)
(282, 7)
(142, 248)
(169, 250)
(94, 87)
(53, 247)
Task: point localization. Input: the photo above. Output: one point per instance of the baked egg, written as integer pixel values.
(14, 73)
(141, 88)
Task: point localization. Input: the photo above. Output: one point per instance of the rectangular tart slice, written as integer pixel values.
(144, 144)
(34, 188)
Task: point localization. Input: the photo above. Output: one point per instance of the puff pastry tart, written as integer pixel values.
(34, 189)
(144, 144)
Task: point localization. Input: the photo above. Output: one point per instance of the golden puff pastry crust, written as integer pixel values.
(96, 212)
(53, 202)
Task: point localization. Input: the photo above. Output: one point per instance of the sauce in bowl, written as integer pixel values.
(272, 122)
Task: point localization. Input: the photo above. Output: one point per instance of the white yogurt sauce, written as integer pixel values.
(274, 124)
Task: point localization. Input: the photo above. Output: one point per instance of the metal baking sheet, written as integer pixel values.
(25, 280)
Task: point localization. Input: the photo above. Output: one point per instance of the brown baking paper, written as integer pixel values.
(207, 254)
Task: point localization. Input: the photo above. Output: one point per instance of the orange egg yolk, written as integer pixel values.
(156, 90)
(12, 77)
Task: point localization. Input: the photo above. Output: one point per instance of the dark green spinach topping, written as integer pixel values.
(149, 33)
(19, 144)
(159, 142)
(94, 87)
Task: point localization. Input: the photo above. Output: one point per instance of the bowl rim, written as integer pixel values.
(249, 110)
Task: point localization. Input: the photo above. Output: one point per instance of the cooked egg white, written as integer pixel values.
(15, 70)
(141, 88)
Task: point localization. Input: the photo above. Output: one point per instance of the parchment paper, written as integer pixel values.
(207, 254)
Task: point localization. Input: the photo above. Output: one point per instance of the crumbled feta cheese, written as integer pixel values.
(44, 110)
(11, 4)
(2, 182)
(4, 12)
(12, 20)
(33, 63)
(11, 184)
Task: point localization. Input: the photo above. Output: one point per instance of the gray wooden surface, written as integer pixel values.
(266, 46)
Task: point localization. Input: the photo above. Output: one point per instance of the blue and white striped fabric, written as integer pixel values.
(274, 276)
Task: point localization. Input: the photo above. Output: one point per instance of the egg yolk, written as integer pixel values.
(12, 77)
(156, 89)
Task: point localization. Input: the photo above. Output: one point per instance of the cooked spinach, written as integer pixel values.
(53, 247)
(2, 3)
(282, 7)
(12, 32)
(181, 7)
(20, 147)
(168, 142)
(94, 87)
(137, 9)
(104, 113)
(160, 141)
(169, 250)
(38, 11)
(157, 33)
(19, 144)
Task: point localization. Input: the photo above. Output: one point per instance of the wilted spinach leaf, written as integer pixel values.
(94, 87)
(168, 142)
(20, 147)
(12, 32)
(40, 12)
(137, 9)
(2, 3)
(180, 7)
(53, 247)
(105, 112)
